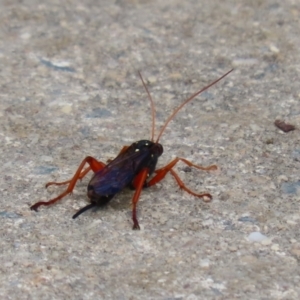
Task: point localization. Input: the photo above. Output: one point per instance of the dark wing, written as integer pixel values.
(118, 174)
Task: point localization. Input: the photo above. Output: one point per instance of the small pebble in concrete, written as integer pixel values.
(256, 237)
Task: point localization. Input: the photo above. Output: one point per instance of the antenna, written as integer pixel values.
(152, 107)
(186, 101)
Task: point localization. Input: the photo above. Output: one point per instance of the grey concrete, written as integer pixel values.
(69, 88)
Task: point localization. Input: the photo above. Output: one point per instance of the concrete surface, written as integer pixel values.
(70, 88)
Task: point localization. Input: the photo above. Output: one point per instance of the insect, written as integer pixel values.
(133, 167)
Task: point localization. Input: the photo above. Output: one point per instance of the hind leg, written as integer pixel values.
(93, 165)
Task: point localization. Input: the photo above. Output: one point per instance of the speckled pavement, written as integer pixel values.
(70, 88)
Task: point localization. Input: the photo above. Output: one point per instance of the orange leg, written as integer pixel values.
(182, 186)
(94, 165)
(161, 173)
(139, 182)
(82, 174)
(122, 150)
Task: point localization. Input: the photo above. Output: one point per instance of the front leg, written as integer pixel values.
(162, 172)
(138, 183)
